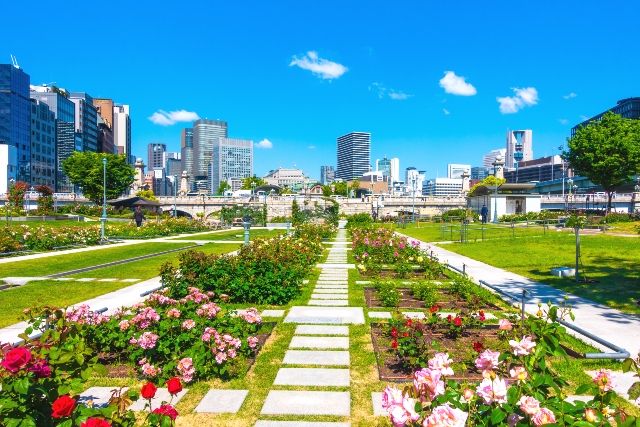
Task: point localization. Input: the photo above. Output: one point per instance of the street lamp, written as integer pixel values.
(567, 200)
(103, 220)
(497, 163)
(175, 195)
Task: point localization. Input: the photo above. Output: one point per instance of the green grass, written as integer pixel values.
(235, 234)
(52, 224)
(147, 268)
(60, 263)
(632, 228)
(613, 261)
(442, 232)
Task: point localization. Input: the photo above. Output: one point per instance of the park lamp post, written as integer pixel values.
(175, 195)
(569, 196)
(103, 219)
(497, 163)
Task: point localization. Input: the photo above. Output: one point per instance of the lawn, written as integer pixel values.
(61, 263)
(614, 262)
(440, 232)
(53, 224)
(632, 228)
(233, 235)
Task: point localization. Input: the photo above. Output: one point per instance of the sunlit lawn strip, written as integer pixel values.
(67, 262)
(441, 232)
(613, 261)
(236, 234)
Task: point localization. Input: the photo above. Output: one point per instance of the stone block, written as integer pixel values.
(322, 330)
(313, 377)
(317, 357)
(341, 343)
(286, 402)
(222, 401)
(379, 315)
(329, 303)
(325, 315)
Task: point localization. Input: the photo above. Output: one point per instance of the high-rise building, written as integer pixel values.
(443, 187)
(64, 111)
(205, 135)
(327, 175)
(489, 158)
(354, 155)
(15, 118)
(186, 151)
(389, 168)
(122, 132)
(43, 145)
(519, 147)
(231, 158)
(104, 107)
(537, 170)
(174, 167)
(86, 118)
(479, 173)
(629, 108)
(105, 136)
(155, 156)
(455, 170)
(414, 181)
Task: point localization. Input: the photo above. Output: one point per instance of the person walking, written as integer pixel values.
(484, 213)
(138, 216)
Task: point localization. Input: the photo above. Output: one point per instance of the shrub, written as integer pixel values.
(359, 220)
(426, 292)
(42, 238)
(164, 227)
(314, 232)
(387, 294)
(459, 215)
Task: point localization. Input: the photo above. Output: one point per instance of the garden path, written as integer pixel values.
(612, 325)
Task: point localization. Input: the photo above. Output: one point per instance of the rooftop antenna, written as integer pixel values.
(14, 61)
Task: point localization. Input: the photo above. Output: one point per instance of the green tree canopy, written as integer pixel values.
(490, 181)
(606, 151)
(341, 188)
(246, 182)
(85, 170)
(224, 186)
(147, 194)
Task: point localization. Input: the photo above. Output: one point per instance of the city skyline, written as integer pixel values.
(418, 85)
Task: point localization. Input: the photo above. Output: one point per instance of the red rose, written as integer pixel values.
(167, 410)
(477, 346)
(409, 322)
(405, 334)
(148, 391)
(63, 406)
(95, 422)
(434, 308)
(16, 359)
(457, 321)
(174, 386)
(394, 344)
(394, 332)
(449, 318)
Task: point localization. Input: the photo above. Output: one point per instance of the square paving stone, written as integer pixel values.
(318, 290)
(322, 330)
(222, 401)
(329, 296)
(329, 303)
(264, 423)
(313, 377)
(379, 315)
(378, 410)
(162, 395)
(272, 313)
(325, 315)
(284, 402)
(413, 315)
(98, 397)
(341, 343)
(317, 357)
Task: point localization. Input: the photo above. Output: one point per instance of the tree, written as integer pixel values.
(341, 188)
(326, 190)
(606, 151)
(147, 194)
(490, 181)
(16, 195)
(223, 187)
(85, 170)
(246, 182)
(45, 199)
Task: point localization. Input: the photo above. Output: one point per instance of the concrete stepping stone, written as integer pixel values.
(413, 315)
(322, 330)
(98, 397)
(285, 402)
(272, 313)
(331, 288)
(329, 296)
(341, 343)
(86, 279)
(222, 401)
(262, 423)
(336, 266)
(162, 395)
(329, 303)
(313, 377)
(379, 315)
(344, 290)
(325, 315)
(317, 357)
(376, 400)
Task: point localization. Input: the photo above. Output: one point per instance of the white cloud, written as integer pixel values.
(456, 85)
(265, 143)
(524, 97)
(311, 147)
(382, 92)
(446, 112)
(321, 67)
(164, 118)
(563, 121)
(570, 95)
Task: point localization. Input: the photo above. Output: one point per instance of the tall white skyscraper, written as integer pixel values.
(231, 158)
(519, 147)
(205, 134)
(490, 157)
(354, 155)
(122, 131)
(455, 170)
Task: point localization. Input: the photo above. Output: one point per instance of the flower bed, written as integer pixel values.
(164, 227)
(268, 271)
(192, 337)
(517, 386)
(43, 238)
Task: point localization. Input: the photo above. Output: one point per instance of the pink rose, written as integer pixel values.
(603, 380)
(446, 416)
(544, 416)
(441, 362)
(519, 373)
(391, 396)
(488, 361)
(504, 325)
(427, 383)
(529, 405)
(522, 348)
(492, 391)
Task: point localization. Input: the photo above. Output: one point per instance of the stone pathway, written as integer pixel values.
(318, 354)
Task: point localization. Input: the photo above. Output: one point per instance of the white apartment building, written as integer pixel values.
(442, 187)
(455, 170)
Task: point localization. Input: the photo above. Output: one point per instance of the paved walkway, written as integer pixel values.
(612, 325)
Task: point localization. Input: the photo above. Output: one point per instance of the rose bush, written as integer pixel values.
(41, 238)
(163, 227)
(267, 271)
(518, 387)
(192, 337)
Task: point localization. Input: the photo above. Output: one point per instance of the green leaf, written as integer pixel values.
(584, 389)
(497, 415)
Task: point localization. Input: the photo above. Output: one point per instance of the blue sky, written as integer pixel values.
(374, 66)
